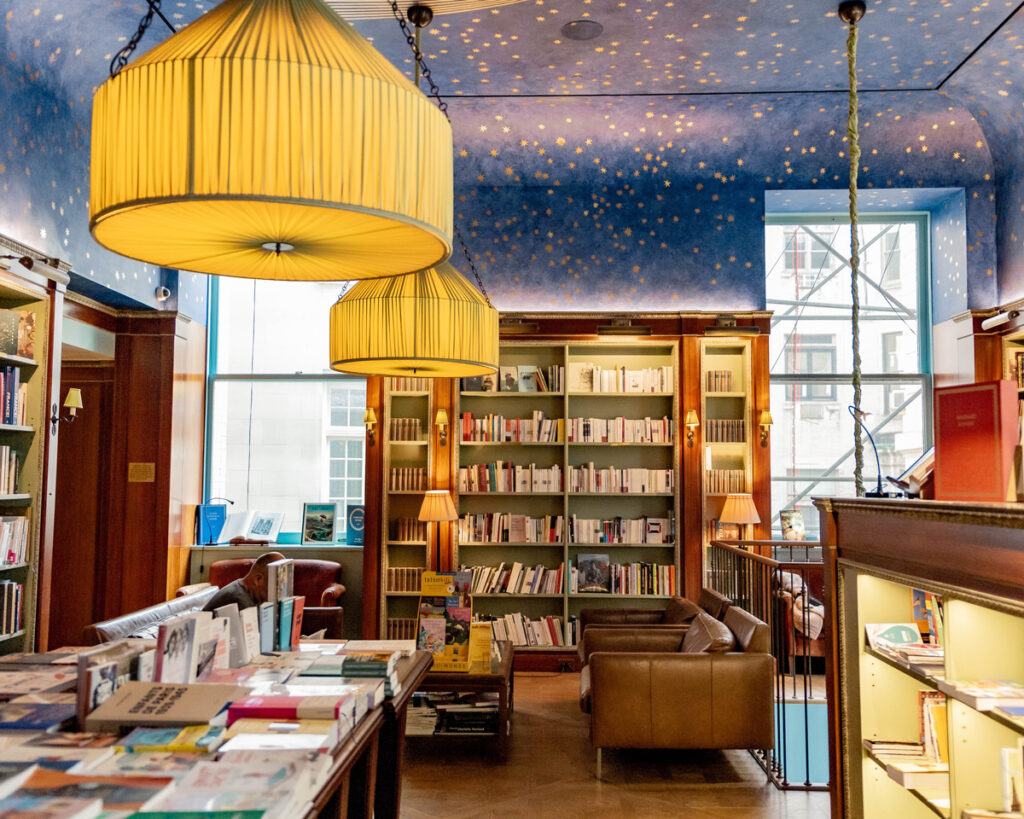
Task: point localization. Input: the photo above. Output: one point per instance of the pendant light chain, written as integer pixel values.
(435, 92)
(853, 14)
(121, 58)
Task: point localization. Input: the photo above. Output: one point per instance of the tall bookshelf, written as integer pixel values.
(726, 426)
(407, 544)
(27, 441)
(881, 552)
(561, 404)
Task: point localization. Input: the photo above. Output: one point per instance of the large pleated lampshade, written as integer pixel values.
(269, 140)
(432, 324)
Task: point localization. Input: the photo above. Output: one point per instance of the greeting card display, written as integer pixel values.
(445, 614)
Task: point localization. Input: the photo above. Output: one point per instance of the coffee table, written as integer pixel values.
(493, 676)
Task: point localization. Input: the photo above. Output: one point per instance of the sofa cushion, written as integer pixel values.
(706, 634)
(714, 603)
(751, 634)
(680, 610)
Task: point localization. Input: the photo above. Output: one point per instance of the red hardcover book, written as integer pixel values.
(976, 433)
(287, 708)
(300, 604)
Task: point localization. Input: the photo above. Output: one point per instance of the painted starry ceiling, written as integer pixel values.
(629, 171)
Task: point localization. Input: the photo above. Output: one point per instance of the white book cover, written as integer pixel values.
(250, 618)
(238, 653)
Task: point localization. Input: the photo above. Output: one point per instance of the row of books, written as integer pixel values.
(501, 527)
(621, 430)
(12, 597)
(260, 740)
(902, 643)
(518, 378)
(404, 578)
(522, 631)
(400, 628)
(515, 579)
(622, 530)
(596, 574)
(588, 377)
(502, 476)
(718, 381)
(406, 383)
(9, 470)
(499, 429)
(13, 539)
(408, 529)
(610, 479)
(723, 481)
(432, 713)
(406, 429)
(407, 478)
(724, 431)
(15, 396)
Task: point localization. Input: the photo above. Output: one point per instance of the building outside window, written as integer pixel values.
(811, 358)
(283, 429)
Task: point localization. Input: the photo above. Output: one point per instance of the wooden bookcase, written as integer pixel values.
(406, 544)
(970, 557)
(563, 406)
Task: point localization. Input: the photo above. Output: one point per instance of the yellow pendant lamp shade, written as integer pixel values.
(432, 324)
(269, 140)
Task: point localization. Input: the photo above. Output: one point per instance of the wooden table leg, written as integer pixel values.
(504, 701)
(362, 783)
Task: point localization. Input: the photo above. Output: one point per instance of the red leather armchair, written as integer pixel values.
(319, 581)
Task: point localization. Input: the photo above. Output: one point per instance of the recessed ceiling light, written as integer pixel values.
(582, 30)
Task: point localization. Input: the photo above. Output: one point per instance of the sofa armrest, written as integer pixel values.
(330, 595)
(655, 638)
(671, 700)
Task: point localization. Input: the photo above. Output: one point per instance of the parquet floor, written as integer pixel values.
(550, 773)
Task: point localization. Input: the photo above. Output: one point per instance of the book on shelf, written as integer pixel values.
(893, 747)
(210, 519)
(27, 334)
(985, 695)
(508, 379)
(933, 723)
(918, 772)
(528, 378)
(593, 573)
(883, 636)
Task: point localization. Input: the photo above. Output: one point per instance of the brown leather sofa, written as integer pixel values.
(145, 622)
(708, 685)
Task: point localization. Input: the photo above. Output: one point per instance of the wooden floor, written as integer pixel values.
(550, 772)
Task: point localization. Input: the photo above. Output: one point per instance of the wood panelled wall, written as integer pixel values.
(137, 457)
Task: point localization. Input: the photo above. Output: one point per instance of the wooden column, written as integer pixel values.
(373, 493)
(761, 456)
(691, 527)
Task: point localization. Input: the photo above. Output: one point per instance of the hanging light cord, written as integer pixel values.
(424, 71)
(121, 58)
(851, 13)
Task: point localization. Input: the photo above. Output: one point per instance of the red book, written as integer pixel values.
(976, 433)
(300, 604)
(286, 708)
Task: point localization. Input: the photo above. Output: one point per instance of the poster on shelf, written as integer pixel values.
(445, 615)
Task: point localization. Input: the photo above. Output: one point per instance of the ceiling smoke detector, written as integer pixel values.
(582, 30)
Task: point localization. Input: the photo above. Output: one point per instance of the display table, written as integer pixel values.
(350, 784)
(495, 676)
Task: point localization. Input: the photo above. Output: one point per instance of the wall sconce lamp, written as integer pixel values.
(691, 424)
(765, 422)
(72, 403)
(370, 422)
(28, 262)
(441, 422)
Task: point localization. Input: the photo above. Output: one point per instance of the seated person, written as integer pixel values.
(247, 591)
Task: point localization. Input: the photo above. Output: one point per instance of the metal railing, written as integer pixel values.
(778, 582)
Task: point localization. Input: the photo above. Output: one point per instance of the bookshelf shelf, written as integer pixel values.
(16, 428)
(19, 498)
(609, 596)
(520, 594)
(13, 635)
(407, 443)
(892, 566)
(406, 542)
(406, 491)
(644, 361)
(18, 360)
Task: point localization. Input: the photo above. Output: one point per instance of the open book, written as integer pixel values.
(251, 526)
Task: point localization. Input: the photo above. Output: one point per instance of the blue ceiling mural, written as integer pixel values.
(629, 171)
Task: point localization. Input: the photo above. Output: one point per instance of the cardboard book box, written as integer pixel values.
(445, 615)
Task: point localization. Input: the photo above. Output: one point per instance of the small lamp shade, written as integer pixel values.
(437, 506)
(765, 419)
(73, 401)
(431, 324)
(369, 417)
(739, 508)
(691, 419)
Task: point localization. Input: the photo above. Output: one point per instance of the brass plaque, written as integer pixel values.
(141, 472)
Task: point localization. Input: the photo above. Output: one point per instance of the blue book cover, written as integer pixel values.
(354, 525)
(210, 517)
(284, 639)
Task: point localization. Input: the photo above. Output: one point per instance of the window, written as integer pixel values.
(282, 429)
(811, 358)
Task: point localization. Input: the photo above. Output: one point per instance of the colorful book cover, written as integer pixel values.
(117, 792)
(508, 379)
(27, 334)
(296, 634)
(267, 632)
(50, 807)
(355, 521)
(284, 635)
(190, 739)
(210, 519)
(137, 763)
(37, 716)
(9, 332)
(284, 707)
(175, 649)
(593, 573)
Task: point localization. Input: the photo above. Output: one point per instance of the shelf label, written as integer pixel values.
(141, 472)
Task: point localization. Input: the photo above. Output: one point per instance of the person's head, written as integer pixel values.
(255, 581)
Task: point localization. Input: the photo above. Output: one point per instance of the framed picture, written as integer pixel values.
(318, 522)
